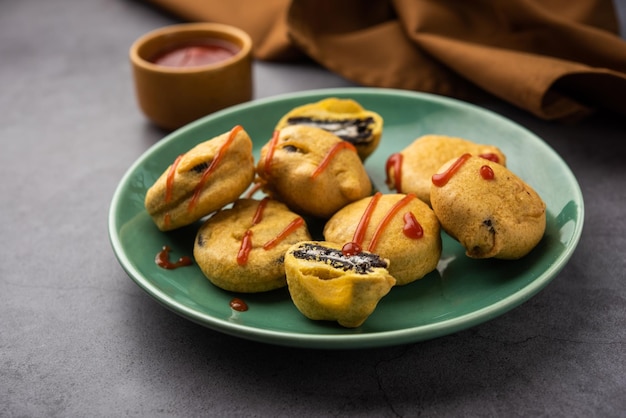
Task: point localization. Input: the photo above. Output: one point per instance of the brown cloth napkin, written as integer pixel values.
(555, 58)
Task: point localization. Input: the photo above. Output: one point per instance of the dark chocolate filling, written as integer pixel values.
(361, 263)
(489, 224)
(200, 167)
(291, 148)
(356, 131)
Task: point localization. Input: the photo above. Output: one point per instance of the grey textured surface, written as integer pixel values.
(79, 338)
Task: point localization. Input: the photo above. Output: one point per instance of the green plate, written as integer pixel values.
(461, 293)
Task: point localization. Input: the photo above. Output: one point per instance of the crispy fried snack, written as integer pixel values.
(410, 170)
(209, 176)
(312, 171)
(242, 248)
(325, 284)
(488, 209)
(344, 117)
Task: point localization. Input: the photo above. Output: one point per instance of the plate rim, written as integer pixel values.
(348, 341)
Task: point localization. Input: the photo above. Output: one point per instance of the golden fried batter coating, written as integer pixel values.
(312, 171)
(401, 228)
(209, 176)
(326, 284)
(345, 118)
(487, 208)
(423, 157)
(242, 248)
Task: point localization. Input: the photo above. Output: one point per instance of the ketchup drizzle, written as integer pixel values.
(293, 225)
(355, 246)
(244, 249)
(162, 259)
(441, 179)
(385, 221)
(394, 161)
(329, 156)
(490, 156)
(212, 167)
(169, 182)
(486, 172)
(412, 228)
(253, 190)
(169, 187)
(246, 242)
(270, 152)
(258, 215)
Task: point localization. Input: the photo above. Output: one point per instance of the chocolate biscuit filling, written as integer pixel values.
(361, 263)
(356, 131)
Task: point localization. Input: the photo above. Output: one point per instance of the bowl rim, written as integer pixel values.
(195, 30)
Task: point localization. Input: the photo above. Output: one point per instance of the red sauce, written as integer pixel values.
(490, 156)
(238, 305)
(441, 179)
(394, 161)
(412, 228)
(162, 259)
(169, 187)
(351, 248)
(270, 152)
(246, 242)
(253, 190)
(244, 249)
(169, 182)
(329, 156)
(212, 167)
(486, 172)
(385, 221)
(202, 52)
(167, 219)
(294, 225)
(355, 246)
(258, 214)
